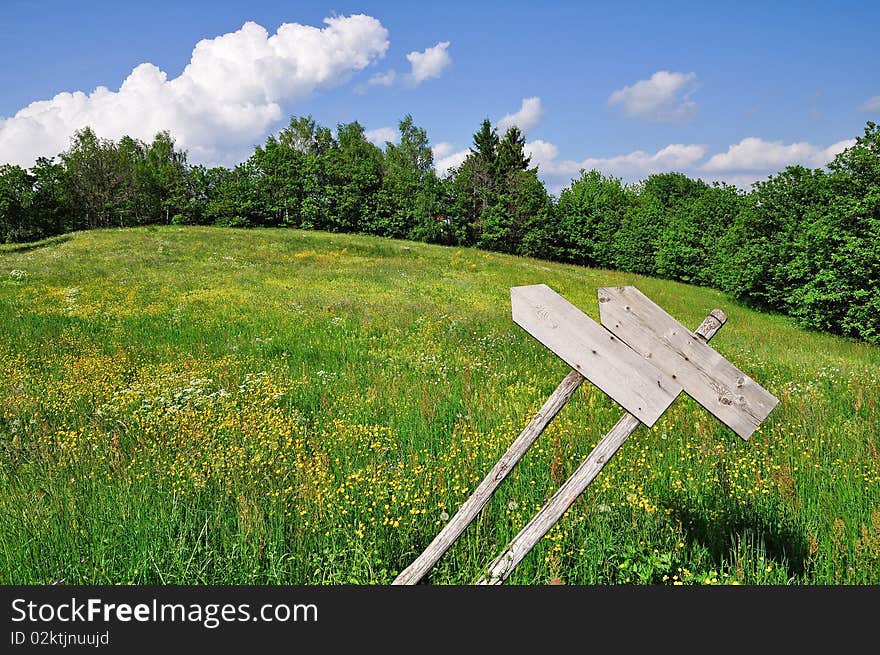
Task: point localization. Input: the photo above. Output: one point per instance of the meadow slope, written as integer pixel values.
(206, 405)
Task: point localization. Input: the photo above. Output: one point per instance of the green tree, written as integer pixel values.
(686, 248)
(166, 173)
(759, 250)
(53, 208)
(511, 157)
(16, 197)
(278, 181)
(836, 265)
(652, 204)
(672, 189)
(197, 192)
(467, 198)
(302, 134)
(485, 148)
(313, 142)
(133, 200)
(232, 201)
(474, 188)
(408, 202)
(589, 213)
(521, 221)
(354, 174)
(97, 174)
(635, 242)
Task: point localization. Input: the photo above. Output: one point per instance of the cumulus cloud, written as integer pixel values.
(429, 63)
(633, 165)
(381, 135)
(871, 105)
(529, 115)
(664, 97)
(542, 153)
(383, 79)
(442, 149)
(755, 154)
(228, 95)
(742, 164)
(446, 157)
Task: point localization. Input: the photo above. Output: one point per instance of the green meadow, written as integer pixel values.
(183, 405)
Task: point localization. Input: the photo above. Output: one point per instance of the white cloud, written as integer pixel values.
(541, 152)
(227, 97)
(529, 115)
(442, 149)
(823, 157)
(383, 79)
(447, 158)
(429, 63)
(749, 160)
(665, 97)
(558, 173)
(744, 163)
(871, 105)
(381, 135)
(755, 154)
(633, 165)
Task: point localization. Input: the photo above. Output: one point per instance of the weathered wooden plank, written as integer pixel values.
(605, 360)
(565, 496)
(475, 504)
(728, 393)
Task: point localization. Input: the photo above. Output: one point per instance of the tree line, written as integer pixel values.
(805, 242)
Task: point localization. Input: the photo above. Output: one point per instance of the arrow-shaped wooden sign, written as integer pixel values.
(617, 369)
(707, 377)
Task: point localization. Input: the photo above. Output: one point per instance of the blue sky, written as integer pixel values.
(730, 91)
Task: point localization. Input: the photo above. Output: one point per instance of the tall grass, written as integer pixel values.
(205, 405)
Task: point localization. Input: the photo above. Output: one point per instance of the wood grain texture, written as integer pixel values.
(474, 505)
(629, 379)
(565, 496)
(707, 377)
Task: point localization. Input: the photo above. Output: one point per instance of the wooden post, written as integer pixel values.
(474, 505)
(550, 514)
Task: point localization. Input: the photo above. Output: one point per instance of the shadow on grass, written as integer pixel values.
(721, 528)
(33, 245)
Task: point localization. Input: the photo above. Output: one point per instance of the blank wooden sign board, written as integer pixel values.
(731, 395)
(642, 358)
(606, 361)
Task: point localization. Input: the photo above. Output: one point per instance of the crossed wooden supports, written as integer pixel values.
(643, 358)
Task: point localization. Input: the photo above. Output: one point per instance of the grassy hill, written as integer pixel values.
(188, 405)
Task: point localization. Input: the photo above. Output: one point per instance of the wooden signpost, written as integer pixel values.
(642, 358)
(606, 361)
(731, 395)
